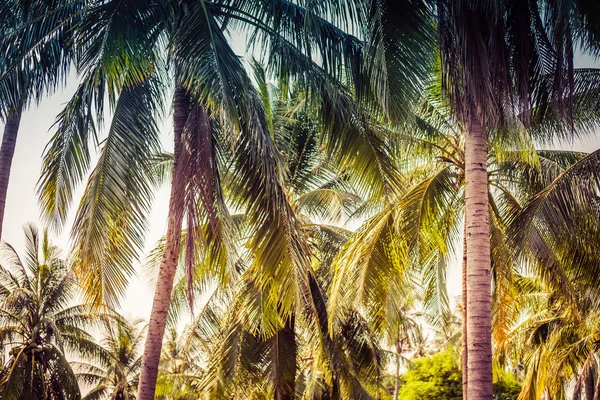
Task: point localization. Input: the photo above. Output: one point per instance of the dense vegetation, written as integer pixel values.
(426, 126)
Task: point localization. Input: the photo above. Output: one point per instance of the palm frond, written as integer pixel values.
(110, 223)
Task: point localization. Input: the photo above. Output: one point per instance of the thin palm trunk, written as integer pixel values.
(596, 382)
(318, 306)
(168, 266)
(7, 151)
(285, 371)
(398, 356)
(479, 301)
(464, 354)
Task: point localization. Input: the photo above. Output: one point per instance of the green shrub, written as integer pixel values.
(507, 388)
(433, 378)
(438, 377)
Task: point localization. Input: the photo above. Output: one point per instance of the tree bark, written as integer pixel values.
(7, 151)
(464, 353)
(168, 266)
(479, 301)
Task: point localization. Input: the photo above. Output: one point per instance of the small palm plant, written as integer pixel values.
(38, 324)
(117, 376)
(180, 371)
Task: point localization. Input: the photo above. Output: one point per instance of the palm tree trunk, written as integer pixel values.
(464, 354)
(284, 374)
(479, 301)
(168, 266)
(397, 384)
(597, 389)
(590, 385)
(318, 306)
(9, 141)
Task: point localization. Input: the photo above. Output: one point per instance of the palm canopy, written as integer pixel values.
(553, 344)
(320, 195)
(420, 227)
(37, 48)
(39, 326)
(501, 58)
(135, 65)
(554, 335)
(538, 233)
(224, 353)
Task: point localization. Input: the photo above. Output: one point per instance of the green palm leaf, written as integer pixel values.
(111, 220)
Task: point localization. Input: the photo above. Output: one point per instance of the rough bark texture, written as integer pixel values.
(168, 266)
(479, 301)
(9, 141)
(464, 353)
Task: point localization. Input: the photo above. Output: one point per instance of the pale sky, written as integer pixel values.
(22, 203)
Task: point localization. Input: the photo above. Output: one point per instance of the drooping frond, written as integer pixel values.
(372, 261)
(110, 223)
(114, 54)
(562, 209)
(397, 28)
(278, 248)
(67, 158)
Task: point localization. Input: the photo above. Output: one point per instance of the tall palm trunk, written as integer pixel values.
(9, 141)
(168, 266)
(464, 354)
(479, 301)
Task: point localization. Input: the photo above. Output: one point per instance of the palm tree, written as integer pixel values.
(554, 343)
(315, 189)
(554, 336)
(180, 365)
(117, 376)
(403, 333)
(243, 364)
(38, 325)
(530, 343)
(35, 55)
(496, 58)
(420, 227)
(318, 188)
(208, 78)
